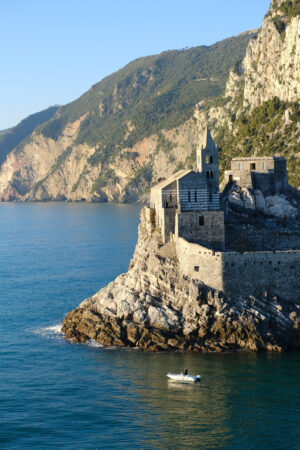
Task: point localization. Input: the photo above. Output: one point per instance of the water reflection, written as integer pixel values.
(238, 401)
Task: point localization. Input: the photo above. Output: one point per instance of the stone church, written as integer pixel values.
(187, 204)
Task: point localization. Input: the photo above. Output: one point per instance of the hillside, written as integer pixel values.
(86, 138)
(259, 113)
(143, 122)
(12, 137)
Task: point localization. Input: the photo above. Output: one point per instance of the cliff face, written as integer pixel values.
(135, 125)
(154, 307)
(143, 122)
(272, 62)
(46, 169)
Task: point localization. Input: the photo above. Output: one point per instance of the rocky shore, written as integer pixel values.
(154, 307)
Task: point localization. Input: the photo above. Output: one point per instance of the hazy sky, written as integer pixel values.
(52, 51)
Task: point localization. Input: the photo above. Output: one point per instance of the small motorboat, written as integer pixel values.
(184, 378)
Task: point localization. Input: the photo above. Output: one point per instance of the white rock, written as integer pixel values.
(123, 309)
(248, 199)
(235, 199)
(279, 206)
(260, 202)
(157, 317)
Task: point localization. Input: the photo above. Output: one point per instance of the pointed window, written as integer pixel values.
(195, 196)
(211, 174)
(189, 196)
(207, 174)
(210, 159)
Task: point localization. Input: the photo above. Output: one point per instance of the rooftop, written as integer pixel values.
(262, 158)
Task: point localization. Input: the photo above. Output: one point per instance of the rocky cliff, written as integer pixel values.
(154, 307)
(143, 122)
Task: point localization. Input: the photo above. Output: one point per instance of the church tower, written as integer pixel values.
(208, 165)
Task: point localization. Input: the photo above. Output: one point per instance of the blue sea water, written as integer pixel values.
(80, 396)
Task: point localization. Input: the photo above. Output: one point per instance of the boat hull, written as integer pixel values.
(184, 378)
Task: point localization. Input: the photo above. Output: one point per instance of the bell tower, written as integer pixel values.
(208, 165)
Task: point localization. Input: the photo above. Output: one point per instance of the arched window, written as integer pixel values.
(189, 196)
(210, 159)
(195, 196)
(207, 174)
(211, 174)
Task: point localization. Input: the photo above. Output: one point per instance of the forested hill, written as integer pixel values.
(149, 94)
(11, 137)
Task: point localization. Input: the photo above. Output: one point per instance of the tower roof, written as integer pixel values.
(207, 141)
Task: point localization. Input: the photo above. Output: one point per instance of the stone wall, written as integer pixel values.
(168, 223)
(200, 263)
(205, 228)
(252, 273)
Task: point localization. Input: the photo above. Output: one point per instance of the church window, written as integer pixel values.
(211, 159)
(189, 196)
(196, 196)
(211, 174)
(201, 221)
(207, 174)
(206, 159)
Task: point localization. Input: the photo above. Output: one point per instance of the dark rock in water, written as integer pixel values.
(155, 307)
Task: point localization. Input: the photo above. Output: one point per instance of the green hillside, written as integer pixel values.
(11, 137)
(149, 94)
(270, 129)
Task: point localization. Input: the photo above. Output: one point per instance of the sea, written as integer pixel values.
(57, 394)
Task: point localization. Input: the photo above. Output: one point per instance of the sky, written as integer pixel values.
(52, 51)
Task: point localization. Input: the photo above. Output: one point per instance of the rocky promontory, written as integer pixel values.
(156, 308)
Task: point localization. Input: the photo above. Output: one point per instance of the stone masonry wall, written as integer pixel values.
(210, 233)
(252, 273)
(200, 263)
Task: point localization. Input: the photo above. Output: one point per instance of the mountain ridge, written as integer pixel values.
(109, 146)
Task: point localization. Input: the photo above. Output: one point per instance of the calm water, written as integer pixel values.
(57, 394)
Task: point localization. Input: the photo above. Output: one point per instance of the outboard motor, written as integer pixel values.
(198, 378)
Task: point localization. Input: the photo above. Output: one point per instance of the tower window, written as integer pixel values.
(189, 196)
(211, 159)
(206, 159)
(211, 174)
(201, 221)
(196, 196)
(207, 174)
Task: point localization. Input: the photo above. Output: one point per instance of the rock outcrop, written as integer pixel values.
(271, 65)
(252, 201)
(154, 307)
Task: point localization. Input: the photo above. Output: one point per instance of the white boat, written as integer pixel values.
(184, 378)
